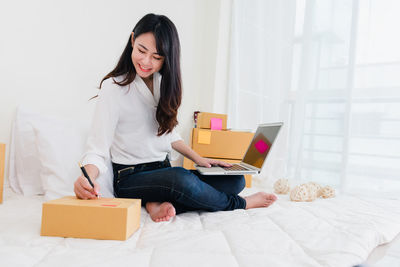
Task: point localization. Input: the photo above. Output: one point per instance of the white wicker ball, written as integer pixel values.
(315, 188)
(327, 192)
(282, 186)
(300, 193)
(312, 193)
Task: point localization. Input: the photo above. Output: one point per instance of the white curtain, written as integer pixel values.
(331, 71)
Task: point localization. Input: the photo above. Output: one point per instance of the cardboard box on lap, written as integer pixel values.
(104, 218)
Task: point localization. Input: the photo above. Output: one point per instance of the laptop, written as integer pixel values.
(255, 156)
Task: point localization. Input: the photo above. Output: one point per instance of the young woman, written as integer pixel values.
(134, 125)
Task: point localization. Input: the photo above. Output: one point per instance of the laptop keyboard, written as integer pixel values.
(235, 167)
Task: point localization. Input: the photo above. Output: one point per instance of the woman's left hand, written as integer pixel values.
(205, 162)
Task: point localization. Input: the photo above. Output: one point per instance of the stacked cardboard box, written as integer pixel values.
(211, 139)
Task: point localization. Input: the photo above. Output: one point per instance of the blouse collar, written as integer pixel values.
(145, 91)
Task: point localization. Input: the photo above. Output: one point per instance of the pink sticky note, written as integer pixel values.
(216, 124)
(261, 146)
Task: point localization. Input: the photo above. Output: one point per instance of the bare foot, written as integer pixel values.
(160, 212)
(259, 200)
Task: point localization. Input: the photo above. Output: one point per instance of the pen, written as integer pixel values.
(87, 176)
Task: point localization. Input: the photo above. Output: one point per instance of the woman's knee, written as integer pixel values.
(238, 183)
(183, 178)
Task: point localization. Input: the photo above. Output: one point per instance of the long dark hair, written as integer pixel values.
(167, 44)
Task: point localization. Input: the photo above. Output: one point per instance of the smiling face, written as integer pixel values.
(145, 57)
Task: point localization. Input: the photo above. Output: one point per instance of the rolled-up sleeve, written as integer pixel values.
(103, 126)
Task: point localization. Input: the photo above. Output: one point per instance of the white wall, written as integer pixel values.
(54, 53)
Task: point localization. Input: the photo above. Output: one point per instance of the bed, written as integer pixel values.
(340, 231)
(328, 232)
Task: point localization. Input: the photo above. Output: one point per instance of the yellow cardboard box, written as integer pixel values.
(204, 120)
(2, 166)
(221, 144)
(104, 218)
(189, 165)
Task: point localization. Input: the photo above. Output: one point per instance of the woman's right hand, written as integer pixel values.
(84, 190)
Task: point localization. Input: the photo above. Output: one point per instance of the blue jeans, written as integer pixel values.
(186, 190)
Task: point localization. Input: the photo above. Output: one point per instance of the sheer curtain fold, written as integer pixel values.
(329, 70)
(259, 70)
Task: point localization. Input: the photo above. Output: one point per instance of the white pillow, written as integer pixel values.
(12, 176)
(30, 169)
(60, 145)
(24, 175)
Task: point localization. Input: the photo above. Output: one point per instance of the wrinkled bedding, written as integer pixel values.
(327, 232)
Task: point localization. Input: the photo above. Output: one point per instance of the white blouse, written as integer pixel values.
(124, 127)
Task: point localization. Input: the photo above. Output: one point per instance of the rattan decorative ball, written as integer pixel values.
(314, 187)
(300, 193)
(282, 186)
(312, 193)
(327, 192)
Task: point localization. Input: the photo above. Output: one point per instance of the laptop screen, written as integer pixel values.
(261, 144)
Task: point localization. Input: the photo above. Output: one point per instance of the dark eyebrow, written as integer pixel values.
(142, 46)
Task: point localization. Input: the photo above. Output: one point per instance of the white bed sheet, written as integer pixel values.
(327, 232)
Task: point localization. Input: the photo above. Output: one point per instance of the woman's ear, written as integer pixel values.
(132, 39)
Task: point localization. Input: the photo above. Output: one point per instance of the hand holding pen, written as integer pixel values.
(84, 187)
